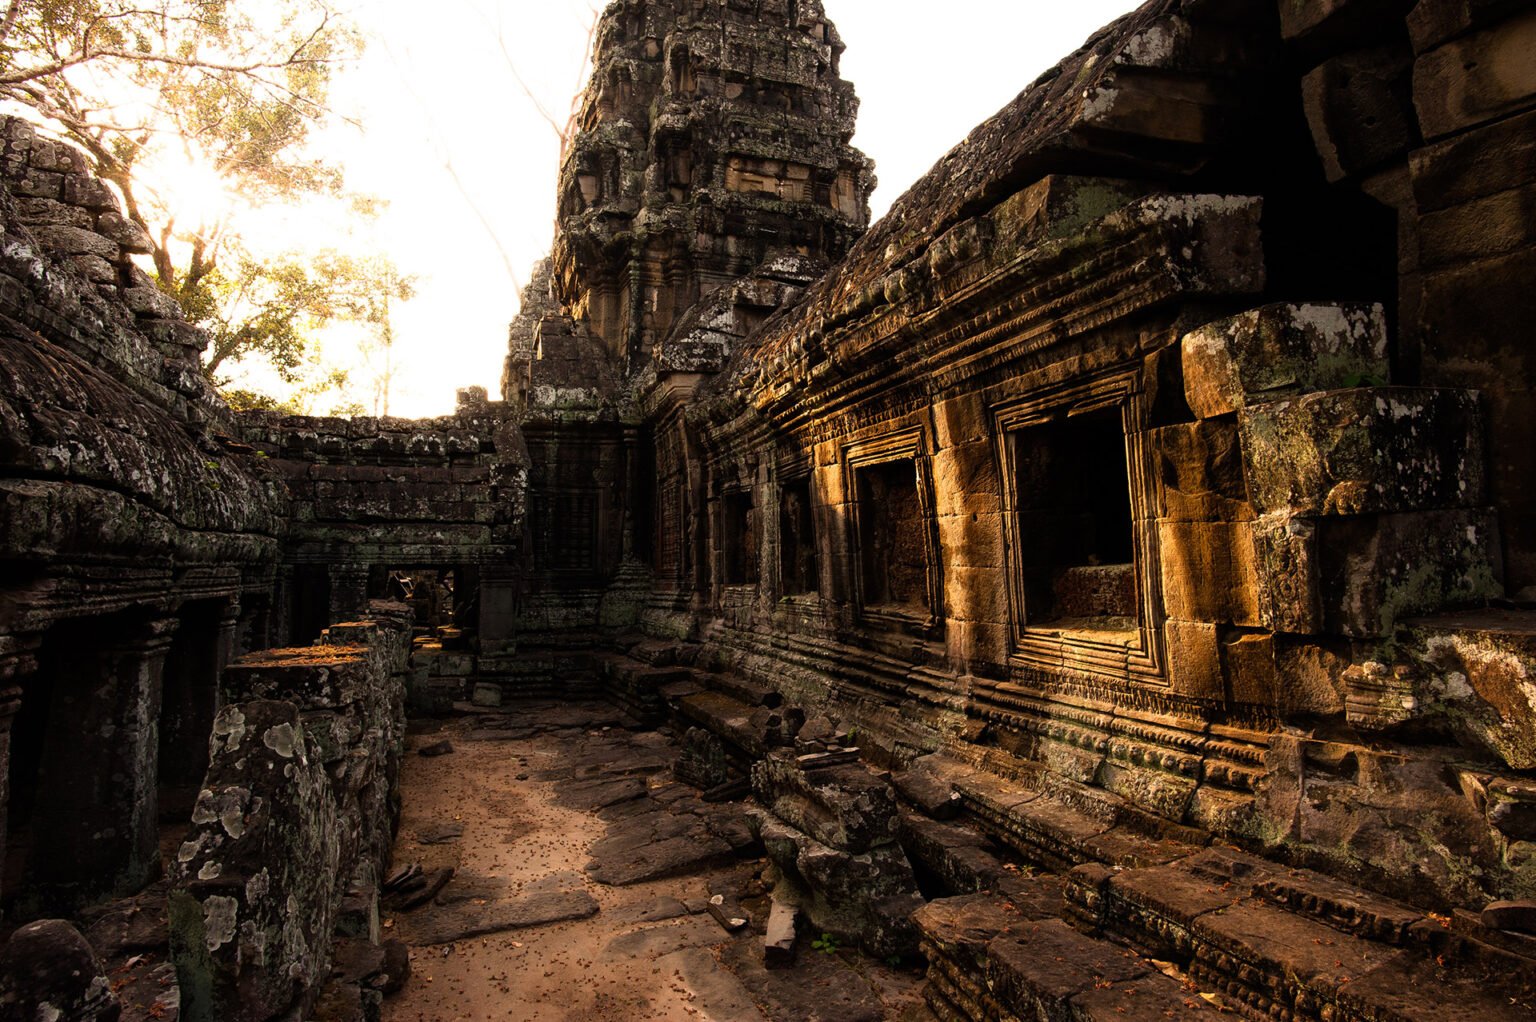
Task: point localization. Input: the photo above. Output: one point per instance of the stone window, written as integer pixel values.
(1076, 552)
(797, 539)
(897, 575)
(738, 539)
(1078, 492)
(892, 551)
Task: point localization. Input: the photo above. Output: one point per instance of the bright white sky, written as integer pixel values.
(469, 166)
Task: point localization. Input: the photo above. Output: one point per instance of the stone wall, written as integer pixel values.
(137, 540)
(369, 496)
(295, 819)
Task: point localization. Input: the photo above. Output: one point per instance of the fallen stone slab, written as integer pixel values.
(728, 913)
(436, 881)
(472, 887)
(436, 749)
(657, 911)
(449, 923)
(779, 937)
(672, 857)
(440, 835)
(601, 794)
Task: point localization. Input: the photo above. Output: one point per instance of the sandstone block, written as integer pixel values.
(1327, 21)
(1289, 575)
(1351, 452)
(1194, 660)
(1357, 112)
(254, 890)
(1457, 170)
(124, 233)
(1490, 225)
(1380, 569)
(1249, 663)
(1208, 571)
(70, 241)
(1279, 350)
(152, 302)
(87, 192)
(1478, 670)
(1432, 22)
(846, 808)
(1201, 466)
(1476, 78)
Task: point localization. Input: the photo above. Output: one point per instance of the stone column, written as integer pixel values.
(349, 591)
(96, 825)
(500, 585)
(191, 696)
(280, 614)
(227, 642)
(253, 631)
(18, 659)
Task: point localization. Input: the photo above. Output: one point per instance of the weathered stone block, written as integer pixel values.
(1208, 571)
(1201, 467)
(1479, 669)
(1476, 78)
(1457, 170)
(867, 898)
(1331, 20)
(1378, 570)
(1194, 660)
(329, 677)
(254, 888)
(1309, 677)
(1490, 225)
(1357, 108)
(1249, 664)
(1289, 576)
(68, 241)
(1432, 22)
(846, 808)
(1352, 452)
(1280, 350)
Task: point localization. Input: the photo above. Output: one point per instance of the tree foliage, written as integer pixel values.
(235, 87)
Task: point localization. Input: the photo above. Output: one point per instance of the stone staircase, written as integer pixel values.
(1059, 901)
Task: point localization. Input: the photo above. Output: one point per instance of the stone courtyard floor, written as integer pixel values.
(582, 883)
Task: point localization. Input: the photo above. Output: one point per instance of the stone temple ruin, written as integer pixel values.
(1111, 573)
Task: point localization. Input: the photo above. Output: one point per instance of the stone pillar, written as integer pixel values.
(349, 591)
(190, 699)
(18, 659)
(280, 609)
(500, 585)
(253, 631)
(96, 825)
(227, 643)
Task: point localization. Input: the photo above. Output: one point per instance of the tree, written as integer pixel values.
(273, 309)
(232, 86)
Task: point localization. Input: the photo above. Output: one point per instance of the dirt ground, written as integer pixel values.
(536, 790)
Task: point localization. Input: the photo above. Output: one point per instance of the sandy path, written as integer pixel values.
(650, 952)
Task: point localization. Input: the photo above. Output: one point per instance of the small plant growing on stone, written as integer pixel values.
(826, 944)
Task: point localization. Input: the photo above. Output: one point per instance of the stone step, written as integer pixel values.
(1001, 958)
(728, 718)
(1283, 943)
(960, 858)
(1049, 832)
